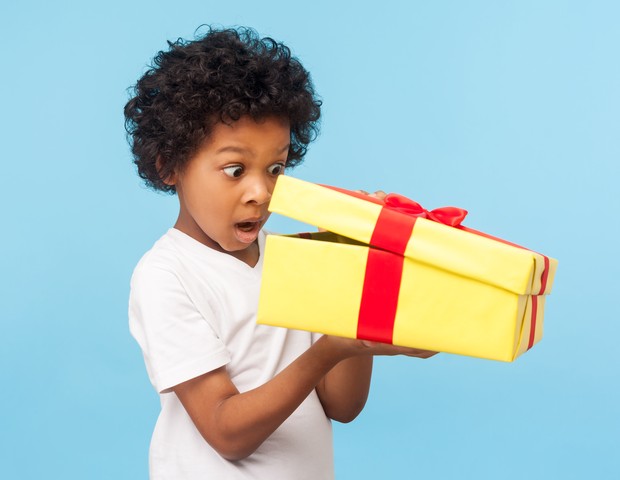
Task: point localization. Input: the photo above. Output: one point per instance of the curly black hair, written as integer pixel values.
(220, 76)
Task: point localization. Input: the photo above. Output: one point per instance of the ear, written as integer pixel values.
(171, 178)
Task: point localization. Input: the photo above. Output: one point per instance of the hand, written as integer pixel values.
(380, 194)
(354, 347)
(378, 348)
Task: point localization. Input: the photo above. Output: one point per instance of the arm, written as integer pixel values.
(236, 424)
(344, 390)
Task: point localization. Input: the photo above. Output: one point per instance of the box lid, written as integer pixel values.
(459, 250)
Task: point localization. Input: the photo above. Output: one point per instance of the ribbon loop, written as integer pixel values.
(451, 216)
(405, 205)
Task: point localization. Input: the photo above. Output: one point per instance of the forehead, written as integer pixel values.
(271, 133)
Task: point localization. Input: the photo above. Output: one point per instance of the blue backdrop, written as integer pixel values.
(508, 109)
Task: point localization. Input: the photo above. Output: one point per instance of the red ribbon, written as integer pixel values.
(384, 265)
(385, 262)
(451, 216)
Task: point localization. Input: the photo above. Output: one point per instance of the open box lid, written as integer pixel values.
(458, 250)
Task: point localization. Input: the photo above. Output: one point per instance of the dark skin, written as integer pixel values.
(235, 424)
(228, 182)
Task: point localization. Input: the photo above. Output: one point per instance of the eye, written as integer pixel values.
(234, 171)
(276, 169)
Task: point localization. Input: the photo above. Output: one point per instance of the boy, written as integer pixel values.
(216, 120)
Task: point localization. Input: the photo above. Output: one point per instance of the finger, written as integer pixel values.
(424, 354)
(390, 349)
(363, 192)
(380, 194)
(414, 352)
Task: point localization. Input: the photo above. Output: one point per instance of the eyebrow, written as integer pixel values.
(231, 148)
(235, 149)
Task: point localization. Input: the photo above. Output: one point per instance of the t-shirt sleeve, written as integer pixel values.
(315, 336)
(177, 341)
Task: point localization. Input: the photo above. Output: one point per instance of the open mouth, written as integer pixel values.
(247, 232)
(247, 226)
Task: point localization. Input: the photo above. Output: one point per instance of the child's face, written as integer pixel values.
(224, 190)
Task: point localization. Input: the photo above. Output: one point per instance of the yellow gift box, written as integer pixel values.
(394, 272)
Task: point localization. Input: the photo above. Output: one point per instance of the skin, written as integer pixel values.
(224, 193)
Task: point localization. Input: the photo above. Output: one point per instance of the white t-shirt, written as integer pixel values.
(192, 309)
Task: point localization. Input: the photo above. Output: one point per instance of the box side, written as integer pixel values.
(317, 286)
(438, 310)
(531, 324)
(297, 292)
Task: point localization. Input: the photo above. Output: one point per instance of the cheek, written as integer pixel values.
(216, 207)
(203, 191)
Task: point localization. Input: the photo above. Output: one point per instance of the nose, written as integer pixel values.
(258, 191)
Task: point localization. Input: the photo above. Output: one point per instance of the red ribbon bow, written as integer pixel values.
(451, 216)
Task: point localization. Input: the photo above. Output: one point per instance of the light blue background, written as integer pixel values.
(508, 109)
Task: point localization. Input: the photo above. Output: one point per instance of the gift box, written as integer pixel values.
(394, 272)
